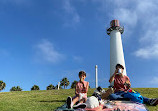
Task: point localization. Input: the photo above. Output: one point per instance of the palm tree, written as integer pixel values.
(35, 87)
(2, 85)
(50, 87)
(64, 82)
(73, 85)
(16, 88)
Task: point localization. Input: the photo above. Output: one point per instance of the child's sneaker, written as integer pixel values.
(80, 105)
(153, 102)
(69, 101)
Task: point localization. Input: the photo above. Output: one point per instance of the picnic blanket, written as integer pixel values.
(111, 106)
(119, 106)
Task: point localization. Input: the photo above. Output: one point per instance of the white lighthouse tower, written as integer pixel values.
(116, 48)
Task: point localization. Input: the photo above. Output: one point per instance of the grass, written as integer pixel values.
(50, 100)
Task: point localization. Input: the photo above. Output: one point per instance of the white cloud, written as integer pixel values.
(150, 37)
(146, 7)
(72, 17)
(154, 80)
(47, 52)
(77, 58)
(140, 15)
(148, 52)
(126, 16)
(139, 18)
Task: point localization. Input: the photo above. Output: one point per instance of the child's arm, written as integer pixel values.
(112, 78)
(86, 87)
(76, 90)
(128, 83)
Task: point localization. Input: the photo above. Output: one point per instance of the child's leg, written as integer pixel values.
(75, 99)
(83, 100)
(146, 100)
(71, 101)
(152, 102)
(114, 96)
(107, 93)
(68, 102)
(81, 103)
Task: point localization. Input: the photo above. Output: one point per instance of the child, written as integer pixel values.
(122, 87)
(80, 93)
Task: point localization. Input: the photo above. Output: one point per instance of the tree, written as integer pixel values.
(50, 87)
(2, 85)
(73, 85)
(56, 87)
(64, 82)
(16, 88)
(35, 87)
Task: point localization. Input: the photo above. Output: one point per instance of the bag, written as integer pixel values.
(134, 96)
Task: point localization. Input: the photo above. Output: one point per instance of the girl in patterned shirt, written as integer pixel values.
(80, 93)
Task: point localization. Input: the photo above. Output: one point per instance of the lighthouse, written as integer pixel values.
(116, 48)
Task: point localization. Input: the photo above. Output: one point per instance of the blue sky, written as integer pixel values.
(42, 41)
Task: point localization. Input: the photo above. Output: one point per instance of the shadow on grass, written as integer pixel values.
(54, 101)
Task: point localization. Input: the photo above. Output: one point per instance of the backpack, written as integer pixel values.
(134, 96)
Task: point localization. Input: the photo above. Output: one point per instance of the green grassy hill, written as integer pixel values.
(50, 100)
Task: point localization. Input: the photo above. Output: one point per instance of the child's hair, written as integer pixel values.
(82, 73)
(119, 65)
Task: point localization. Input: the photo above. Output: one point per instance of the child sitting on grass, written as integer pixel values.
(80, 93)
